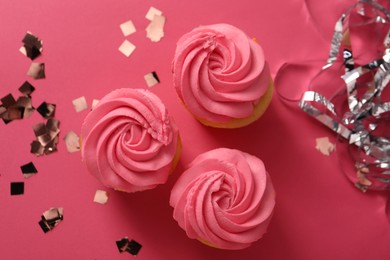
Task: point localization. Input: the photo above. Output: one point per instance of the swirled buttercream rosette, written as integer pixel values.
(129, 142)
(224, 199)
(221, 76)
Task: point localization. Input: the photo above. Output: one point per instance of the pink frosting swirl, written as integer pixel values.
(225, 198)
(129, 141)
(219, 72)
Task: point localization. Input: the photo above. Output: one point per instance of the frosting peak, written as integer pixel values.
(225, 199)
(129, 141)
(219, 72)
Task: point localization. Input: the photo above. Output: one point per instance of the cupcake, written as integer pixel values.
(225, 199)
(129, 142)
(221, 76)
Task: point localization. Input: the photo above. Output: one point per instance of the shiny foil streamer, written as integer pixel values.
(365, 121)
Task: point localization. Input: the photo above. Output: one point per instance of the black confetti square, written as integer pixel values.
(132, 247)
(17, 188)
(26, 89)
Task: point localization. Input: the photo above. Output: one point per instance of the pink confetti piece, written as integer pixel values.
(128, 28)
(72, 141)
(127, 48)
(151, 79)
(101, 197)
(325, 146)
(155, 30)
(80, 104)
(152, 12)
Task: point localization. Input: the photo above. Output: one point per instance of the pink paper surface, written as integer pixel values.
(319, 214)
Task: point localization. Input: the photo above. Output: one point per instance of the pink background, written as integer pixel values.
(319, 214)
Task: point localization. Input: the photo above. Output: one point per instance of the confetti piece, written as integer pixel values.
(36, 70)
(80, 104)
(11, 109)
(127, 48)
(17, 188)
(46, 110)
(8, 101)
(151, 79)
(101, 197)
(26, 89)
(155, 30)
(46, 137)
(124, 245)
(152, 12)
(72, 142)
(128, 28)
(51, 218)
(32, 47)
(94, 103)
(28, 170)
(325, 146)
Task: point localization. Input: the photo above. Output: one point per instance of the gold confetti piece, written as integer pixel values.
(325, 146)
(155, 30)
(152, 12)
(101, 197)
(32, 47)
(151, 79)
(26, 89)
(46, 110)
(46, 137)
(127, 48)
(128, 28)
(72, 142)
(94, 103)
(132, 246)
(51, 218)
(80, 104)
(36, 70)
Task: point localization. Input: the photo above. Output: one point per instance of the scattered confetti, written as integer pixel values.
(155, 30)
(8, 100)
(127, 48)
(51, 218)
(36, 70)
(72, 142)
(27, 89)
(32, 47)
(152, 12)
(363, 183)
(12, 109)
(124, 245)
(28, 170)
(80, 104)
(46, 137)
(325, 146)
(128, 28)
(46, 110)
(101, 197)
(151, 79)
(17, 188)
(94, 103)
